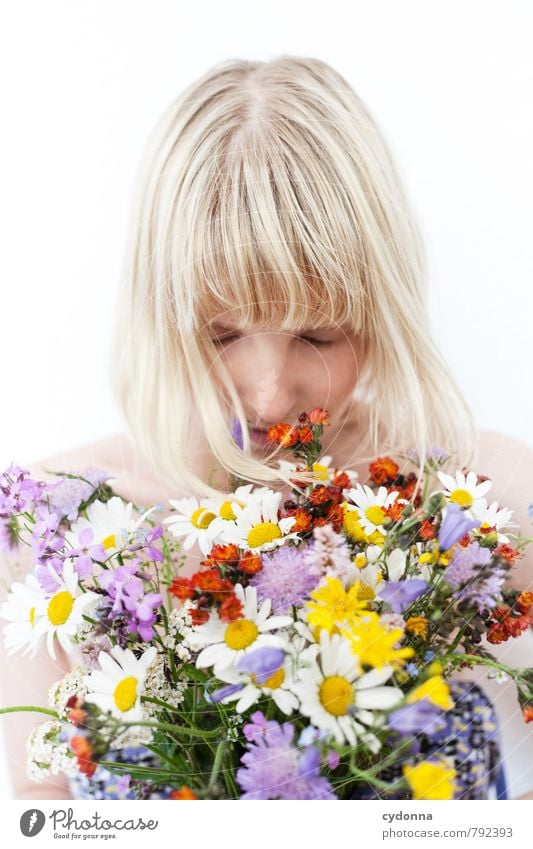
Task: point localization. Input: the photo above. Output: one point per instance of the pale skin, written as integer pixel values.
(508, 462)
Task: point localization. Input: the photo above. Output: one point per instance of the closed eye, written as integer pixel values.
(221, 340)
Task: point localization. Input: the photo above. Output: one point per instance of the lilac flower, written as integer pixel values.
(276, 769)
(125, 589)
(8, 537)
(285, 578)
(145, 538)
(69, 493)
(400, 594)
(434, 455)
(262, 663)
(454, 526)
(223, 692)
(421, 717)
(18, 492)
(236, 432)
(472, 583)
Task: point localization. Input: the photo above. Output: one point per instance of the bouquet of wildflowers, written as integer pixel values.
(310, 655)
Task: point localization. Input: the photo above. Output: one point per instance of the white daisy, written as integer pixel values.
(61, 614)
(464, 490)
(336, 698)
(222, 507)
(371, 506)
(257, 526)
(112, 523)
(322, 469)
(194, 521)
(277, 687)
(118, 686)
(492, 517)
(226, 642)
(20, 610)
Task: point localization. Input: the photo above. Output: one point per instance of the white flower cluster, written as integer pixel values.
(70, 685)
(46, 754)
(157, 686)
(179, 625)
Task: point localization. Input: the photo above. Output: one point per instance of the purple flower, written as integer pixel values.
(223, 692)
(18, 492)
(421, 717)
(285, 578)
(236, 432)
(434, 455)
(273, 768)
(125, 589)
(454, 526)
(262, 663)
(68, 494)
(471, 581)
(400, 594)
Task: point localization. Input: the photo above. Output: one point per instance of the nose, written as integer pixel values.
(268, 386)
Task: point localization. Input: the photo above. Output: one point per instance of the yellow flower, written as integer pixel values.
(430, 780)
(353, 528)
(417, 625)
(333, 606)
(436, 690)
(375, 645)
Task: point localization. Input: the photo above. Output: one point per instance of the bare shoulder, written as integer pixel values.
(508, 462)
(131, 476)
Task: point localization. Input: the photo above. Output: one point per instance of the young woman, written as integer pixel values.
(274, 265)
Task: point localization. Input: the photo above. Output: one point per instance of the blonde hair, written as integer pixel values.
(268, 190)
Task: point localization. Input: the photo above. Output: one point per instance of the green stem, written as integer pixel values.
(30, 709)
(219, 754)
(177, 729)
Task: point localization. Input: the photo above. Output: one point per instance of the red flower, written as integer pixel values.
(250, 563)
(394, 511)
(383, 470)
(497, 633)
(230, 609)
(524, 601)
(341, 479)
(303, 520)
(181, 588)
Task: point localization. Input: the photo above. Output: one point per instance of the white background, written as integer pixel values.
(82, 85)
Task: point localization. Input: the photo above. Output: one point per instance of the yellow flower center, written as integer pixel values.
(125, 694)
(273, 681)
(336, 695)
(60, 607)
(240, 634)
(375, 514)
(461, 497)
(32, 616)
(352, 525)
(263, 533)
(109, 542)
(321, 472)
(202, 518)
(226, 511)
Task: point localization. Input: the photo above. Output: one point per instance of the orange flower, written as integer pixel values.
(318, 416)
(284, 434)
(427, 530)
(303, 519)
(507, 552)
(183, 793)
(305, 435)
(181, 588)
(394, 511)
(417, 625)
(250, 563)
(221, 554)
(198, 615)
(524, 601)
(230, 609)
(527, 713)
(383, 470)
(208, 581)
(341, 479)
(83, 750)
